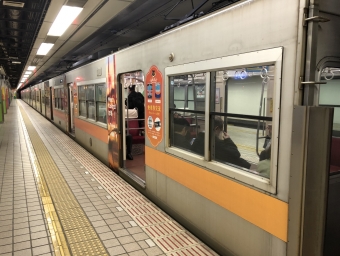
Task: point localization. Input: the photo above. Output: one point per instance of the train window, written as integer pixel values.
(82, 101)
(224, 111)
(101, 103)
(187, 112)
(61, 96)
(90, 102)
(242, 131)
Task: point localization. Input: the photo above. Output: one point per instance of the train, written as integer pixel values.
(268, 70)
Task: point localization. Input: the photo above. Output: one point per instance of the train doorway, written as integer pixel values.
(329, 97)
(133, 139)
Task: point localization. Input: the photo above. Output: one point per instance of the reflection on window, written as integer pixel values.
(240, 117)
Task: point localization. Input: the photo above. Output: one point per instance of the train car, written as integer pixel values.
(240, 137)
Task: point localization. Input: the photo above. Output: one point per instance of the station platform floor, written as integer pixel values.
(58, 199)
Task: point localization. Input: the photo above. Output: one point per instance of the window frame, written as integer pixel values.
(95, 82)
(272, 56)
(58, 100)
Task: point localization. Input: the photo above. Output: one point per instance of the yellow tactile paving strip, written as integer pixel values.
(71, 231)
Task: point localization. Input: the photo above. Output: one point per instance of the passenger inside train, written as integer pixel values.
(224, 149)
(181, 138)
(263, 167)
(136, 100)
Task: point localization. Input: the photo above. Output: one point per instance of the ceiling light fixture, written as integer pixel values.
(28, 72)
(16, 62)
(23, 80)
(31, 68)
(13, 4)
(25, 76)
(19, 85)
(44, 48)
(64, 19)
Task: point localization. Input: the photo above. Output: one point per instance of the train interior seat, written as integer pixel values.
(135, 131)
(335, 155)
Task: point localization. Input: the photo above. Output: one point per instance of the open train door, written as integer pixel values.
(314, 207)
(132, 120)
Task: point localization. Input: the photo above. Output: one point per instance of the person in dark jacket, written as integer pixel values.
(136, 100)
(180, 138)
(224, 150)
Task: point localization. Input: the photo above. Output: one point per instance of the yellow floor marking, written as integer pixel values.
(69, 235)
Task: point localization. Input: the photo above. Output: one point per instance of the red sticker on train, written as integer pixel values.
(154, 106)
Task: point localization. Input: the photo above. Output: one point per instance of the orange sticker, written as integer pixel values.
(154, 106)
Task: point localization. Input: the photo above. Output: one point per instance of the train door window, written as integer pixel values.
(82, 101)
(101, 103)
(224, 115)
(90, 103)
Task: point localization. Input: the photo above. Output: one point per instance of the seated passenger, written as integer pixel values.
(263, 167)
(267, 142)
(180, 139)
(225, 148)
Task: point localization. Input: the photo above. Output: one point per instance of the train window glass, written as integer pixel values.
(101, 103)
(329, 95)
(61, 96)
(82, 101)
(82, 108)
(91, 110)
(187, 118)
(90, 93)
(90, 102)
(81, 92)
(56, 98)
(242, 132)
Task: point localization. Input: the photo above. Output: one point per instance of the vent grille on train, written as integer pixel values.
(13, 4)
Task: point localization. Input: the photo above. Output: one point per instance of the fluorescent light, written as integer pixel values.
(44, 48)
(23, 80)
(19, 85)
(64, 19)
(31, 68)
(16, 62)
(25, 76)
(28, 72)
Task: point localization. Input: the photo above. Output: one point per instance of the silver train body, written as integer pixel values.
(233, 211)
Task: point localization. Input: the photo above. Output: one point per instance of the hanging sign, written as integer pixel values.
(154, 120)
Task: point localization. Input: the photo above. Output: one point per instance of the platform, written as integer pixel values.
(58, 199)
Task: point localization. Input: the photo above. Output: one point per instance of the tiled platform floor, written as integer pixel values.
(126, 222)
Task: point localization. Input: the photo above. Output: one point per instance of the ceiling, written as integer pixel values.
(103, 26)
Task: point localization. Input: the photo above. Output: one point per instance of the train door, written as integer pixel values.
(71, 109)
(131, 87)
(320, 186)
(51, 102)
